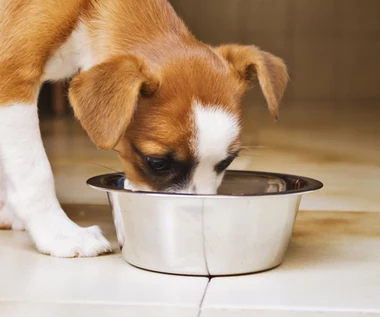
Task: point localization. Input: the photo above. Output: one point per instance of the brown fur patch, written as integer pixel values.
(250, 62)
(104, 98)
(30, 31)
(149, 29)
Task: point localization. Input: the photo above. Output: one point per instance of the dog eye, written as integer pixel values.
(221, 166)
(158, 164)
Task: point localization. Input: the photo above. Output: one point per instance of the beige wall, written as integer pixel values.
(332, 47)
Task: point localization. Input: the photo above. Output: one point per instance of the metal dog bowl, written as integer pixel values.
(245, 228)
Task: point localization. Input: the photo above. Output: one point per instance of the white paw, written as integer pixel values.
(8, 220)
(63, 238)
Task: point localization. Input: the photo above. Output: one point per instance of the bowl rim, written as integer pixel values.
(312, 185)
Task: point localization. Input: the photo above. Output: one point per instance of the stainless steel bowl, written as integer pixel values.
(245, 228)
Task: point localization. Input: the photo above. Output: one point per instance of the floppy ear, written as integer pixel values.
(249, 62)
(105, 97)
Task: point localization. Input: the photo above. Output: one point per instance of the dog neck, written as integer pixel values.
(152, 30)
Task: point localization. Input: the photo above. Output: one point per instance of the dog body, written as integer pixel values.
(168, 104)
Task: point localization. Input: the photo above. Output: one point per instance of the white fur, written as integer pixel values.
(29, 188)
(83, 52)
(216, 129)
(128, 185)
(75, 53)
(8, 219)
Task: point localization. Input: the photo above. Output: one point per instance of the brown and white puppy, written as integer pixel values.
(143, 86)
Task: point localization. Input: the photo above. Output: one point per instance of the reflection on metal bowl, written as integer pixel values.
(245, 228)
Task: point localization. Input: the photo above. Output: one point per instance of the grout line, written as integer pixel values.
(203, 298)
(92, 302)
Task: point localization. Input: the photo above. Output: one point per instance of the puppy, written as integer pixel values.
(168, 104)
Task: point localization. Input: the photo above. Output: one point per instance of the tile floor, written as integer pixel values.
(37, 285)
(332, 267)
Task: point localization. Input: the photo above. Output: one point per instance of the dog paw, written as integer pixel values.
(8, 220)
(69, 240)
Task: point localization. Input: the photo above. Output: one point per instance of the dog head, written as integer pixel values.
(176, 124)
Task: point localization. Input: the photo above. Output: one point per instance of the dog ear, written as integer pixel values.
(249, 62)
(105, 97)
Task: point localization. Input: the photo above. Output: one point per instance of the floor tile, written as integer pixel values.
(20, 309)
(344, 155)
(29, 277)
(332, 265)
(282, 313)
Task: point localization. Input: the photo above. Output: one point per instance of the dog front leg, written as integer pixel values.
(8, 220)
(30, 190)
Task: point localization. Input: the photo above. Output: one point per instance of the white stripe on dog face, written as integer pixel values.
(216, 130)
